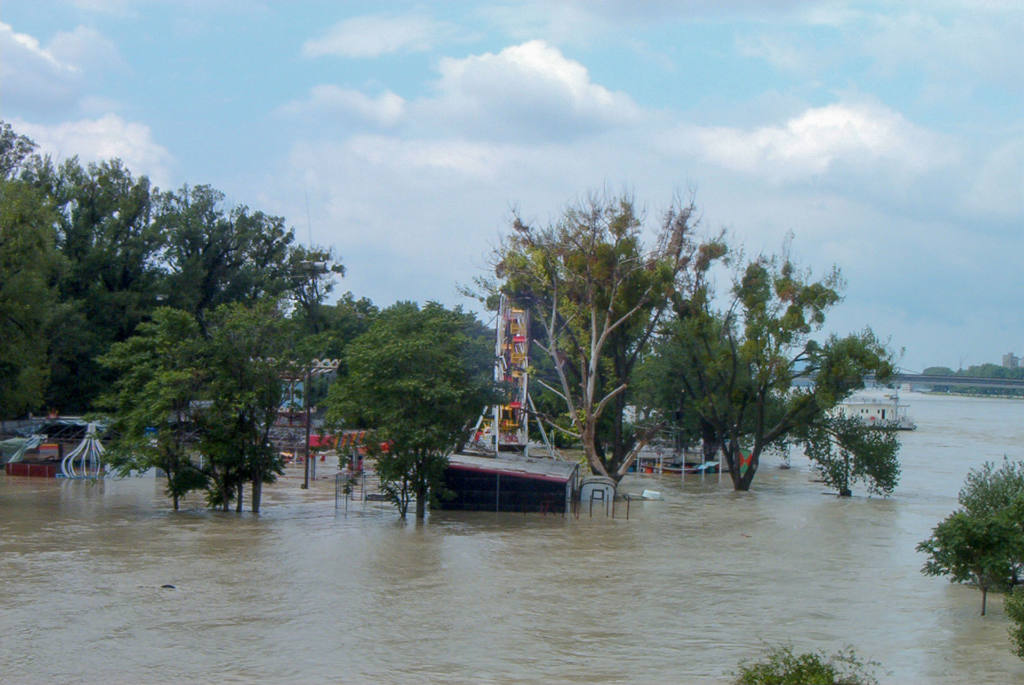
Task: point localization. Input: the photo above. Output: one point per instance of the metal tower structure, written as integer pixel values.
(505, 427)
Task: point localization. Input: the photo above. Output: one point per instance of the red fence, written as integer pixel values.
(35, 470)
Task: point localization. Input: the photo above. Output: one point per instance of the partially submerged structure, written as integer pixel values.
(510, 483)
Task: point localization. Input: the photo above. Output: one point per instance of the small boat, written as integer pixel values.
(884, 411)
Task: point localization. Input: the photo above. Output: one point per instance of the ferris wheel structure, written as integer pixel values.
(505, 427)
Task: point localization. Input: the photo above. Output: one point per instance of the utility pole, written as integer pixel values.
(305, 403)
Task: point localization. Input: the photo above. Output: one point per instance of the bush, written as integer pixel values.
(782, 666)
(1014, 603)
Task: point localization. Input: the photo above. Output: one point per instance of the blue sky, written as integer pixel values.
(886, 138)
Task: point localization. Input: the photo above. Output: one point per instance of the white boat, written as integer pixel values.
(884, 411)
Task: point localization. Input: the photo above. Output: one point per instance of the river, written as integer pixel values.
(681, 592)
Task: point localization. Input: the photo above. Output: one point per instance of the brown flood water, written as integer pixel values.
(681, 592)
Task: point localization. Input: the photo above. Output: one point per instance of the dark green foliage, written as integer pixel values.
(973, 549)
(782, 666)
(847, 450)
(243, 360)
(983, 542)
(735, 368)
(182, 392)
(216, 255)
(28, 263)
(1014, 605)
(88, 252)
(155, 400)
(418, 378)
(110, 277)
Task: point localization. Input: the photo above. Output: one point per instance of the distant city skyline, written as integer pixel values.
(886, 138)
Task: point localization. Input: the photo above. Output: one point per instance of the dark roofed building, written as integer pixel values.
(509, 483)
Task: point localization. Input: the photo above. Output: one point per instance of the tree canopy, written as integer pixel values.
(983, 541)
(200, 404)
(734, 367)
(418, 377)
(595, 294)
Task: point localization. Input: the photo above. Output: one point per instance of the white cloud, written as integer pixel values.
(94, 140)
(32, 76)
(527, 91)
(333, 101)
(376, 35)
(862, 137)
(982, 45)
(999, 187)
(86, 48)
(461, 157)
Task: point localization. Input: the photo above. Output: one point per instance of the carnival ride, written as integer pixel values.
(505, 427)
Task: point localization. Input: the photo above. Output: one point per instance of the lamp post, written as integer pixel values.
(315, 367)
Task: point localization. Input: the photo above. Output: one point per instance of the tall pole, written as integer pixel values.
(305, 404)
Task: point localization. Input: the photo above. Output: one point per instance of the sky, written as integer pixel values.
(884, 138)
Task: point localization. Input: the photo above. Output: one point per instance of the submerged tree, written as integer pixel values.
(596, 296)
(182, 392)
(417, 378)
(983, 542)
(847, 450)
(974, 549)
(243, 357)
(736, 367)
(155, 400)
(780, 665)
(1014, 605)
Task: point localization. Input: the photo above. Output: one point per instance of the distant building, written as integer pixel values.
(1011, 361)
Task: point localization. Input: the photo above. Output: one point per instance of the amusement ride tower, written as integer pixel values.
(505, 427)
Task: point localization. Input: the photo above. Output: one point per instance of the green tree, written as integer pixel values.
(215, 256)
(244, 365)
(596, 295)
(110, 277)
(1014, 604)
(417, 378)
(988, 489)
(154, 402)
(736, 367)
(846, 450)
(182, 392)
(983, 541)
(28, 263)
(782, 666)
(311, 273)
(975, 548)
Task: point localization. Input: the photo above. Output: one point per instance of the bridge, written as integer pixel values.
(957, 381)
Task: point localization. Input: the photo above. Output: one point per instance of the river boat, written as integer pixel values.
(882, 411)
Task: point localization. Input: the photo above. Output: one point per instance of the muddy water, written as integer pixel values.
(681, 592)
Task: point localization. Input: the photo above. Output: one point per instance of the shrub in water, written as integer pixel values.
(782, 666)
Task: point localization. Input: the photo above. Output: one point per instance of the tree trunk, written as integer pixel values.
(709, 441)
(257, 493)
(590, 449)
(240, 490)
(984, 598)
(844, 487)
(741, 480)
(421, 502)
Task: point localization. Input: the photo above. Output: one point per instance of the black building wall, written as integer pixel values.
(480, 491)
